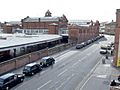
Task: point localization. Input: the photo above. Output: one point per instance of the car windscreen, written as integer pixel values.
(1, 81)
(27, 67)
(43, 60)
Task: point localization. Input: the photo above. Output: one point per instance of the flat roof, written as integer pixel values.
(15, 40)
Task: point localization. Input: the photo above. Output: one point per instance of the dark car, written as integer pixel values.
(88, 42)
(31, 69)
(9, 80)
(79, 46)
(47, 61)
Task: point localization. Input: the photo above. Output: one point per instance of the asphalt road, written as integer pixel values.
(70, 71)
(102, 76)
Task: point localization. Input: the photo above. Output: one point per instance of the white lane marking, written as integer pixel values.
(88, 54)
(101, 76)
(85, 82)
(59, 86)
(58, 60)
(82, 58)
(87, 78)
(75, 64)
(65, 82)
(107, 65)
(42, 72)
(62, 72)
(44, 84)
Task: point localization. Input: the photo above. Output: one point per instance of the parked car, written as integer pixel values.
(103, 51)
(109, 47)
(105, 47)
(9, 80)
(88, 42)
(47, 61)
(79, 46)
(31, 69)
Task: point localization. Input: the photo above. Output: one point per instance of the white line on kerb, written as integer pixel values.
(44, 84)
(62, 73)
(75, 64)
(86, 78)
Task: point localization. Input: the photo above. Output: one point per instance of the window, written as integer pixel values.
(34, 67)
(22, 50)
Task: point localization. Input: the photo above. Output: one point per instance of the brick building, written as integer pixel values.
(116, 60)
(110, 27)
(46, 24)
(9, 27)
(83, 30)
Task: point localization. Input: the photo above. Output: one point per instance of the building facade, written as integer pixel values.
(10, 27)
(110, 28)
(45, 25)
(83, 30)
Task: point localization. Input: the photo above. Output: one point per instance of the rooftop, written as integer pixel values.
(13, 40)
(85, 23)
(42, 19)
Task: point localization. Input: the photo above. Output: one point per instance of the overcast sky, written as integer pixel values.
(102, 10)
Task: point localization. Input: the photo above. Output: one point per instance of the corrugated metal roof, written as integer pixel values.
(13, 23)
(85, 23)
(42, 19)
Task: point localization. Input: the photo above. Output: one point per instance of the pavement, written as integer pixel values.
(102, 75)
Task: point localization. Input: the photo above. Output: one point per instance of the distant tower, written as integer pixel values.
(48, 14)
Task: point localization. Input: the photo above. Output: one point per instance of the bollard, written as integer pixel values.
(103, 61)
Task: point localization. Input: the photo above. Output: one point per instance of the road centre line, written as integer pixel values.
(75, 64)
(82, 58)
(62, 72)
(44, 84)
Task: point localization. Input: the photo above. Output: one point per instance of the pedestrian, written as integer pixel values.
(103, 61)
(113, 83)
(106, 56)
(111, 52)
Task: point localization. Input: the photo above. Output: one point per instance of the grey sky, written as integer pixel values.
(102, 10)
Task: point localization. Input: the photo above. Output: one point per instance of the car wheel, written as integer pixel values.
(41, 69)
(47, 65)
(32, 73)
(53, 62)
(22, 80)
(7, 88)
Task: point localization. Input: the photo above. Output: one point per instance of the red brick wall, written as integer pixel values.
(7, 29)
(53, 29)
(81, 33)
(117, 32)
(43, 25)
(73, 33)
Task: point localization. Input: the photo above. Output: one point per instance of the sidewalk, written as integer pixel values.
(107, 72)
(101, 77)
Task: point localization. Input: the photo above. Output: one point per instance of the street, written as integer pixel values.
(71, 70)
